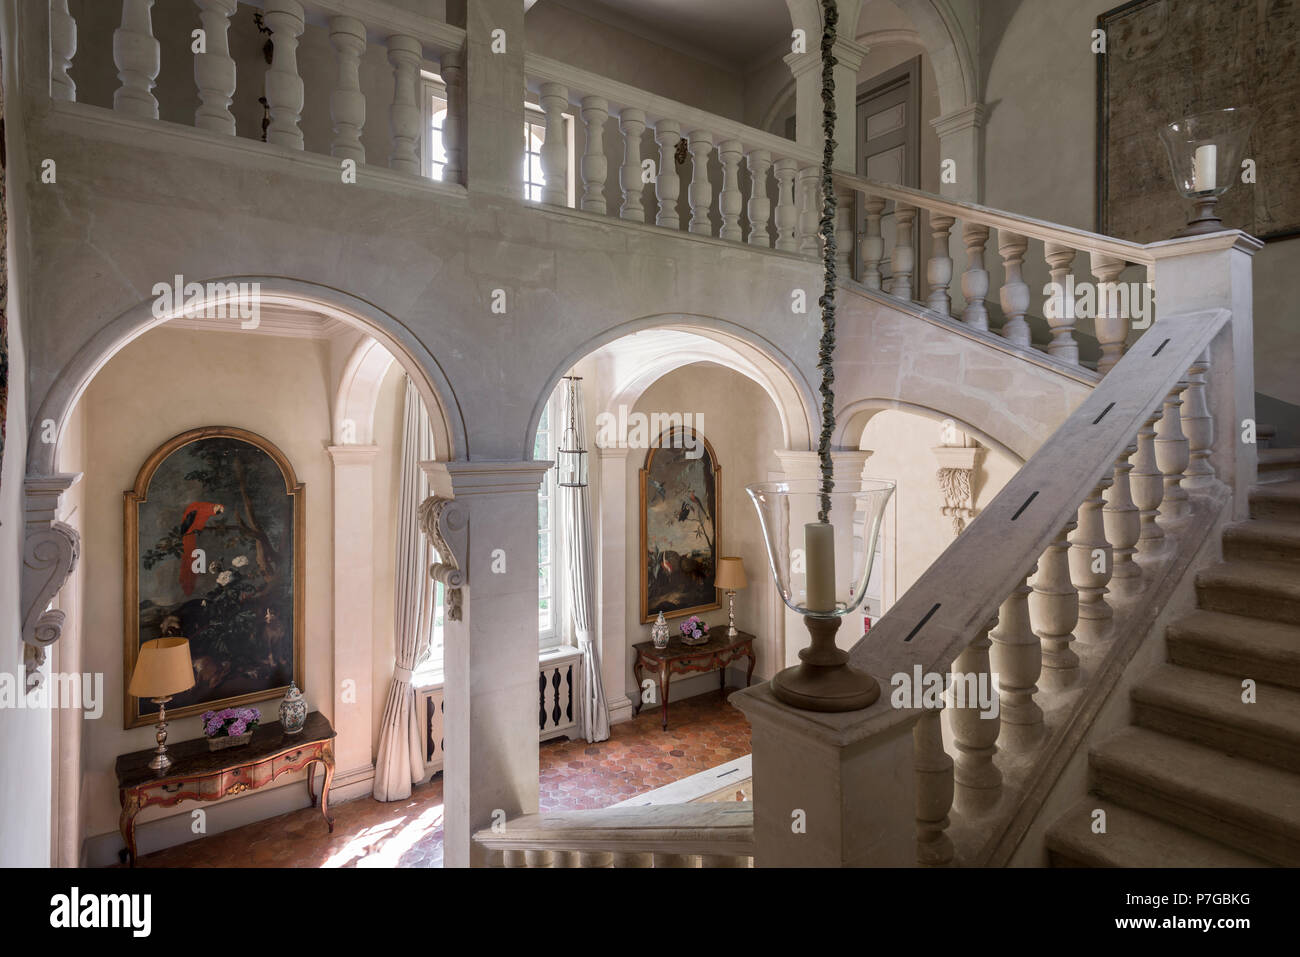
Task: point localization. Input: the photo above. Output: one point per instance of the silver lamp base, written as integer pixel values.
(161, 759)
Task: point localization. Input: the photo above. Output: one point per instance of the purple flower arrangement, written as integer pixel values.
(694, 627)
(230, 722)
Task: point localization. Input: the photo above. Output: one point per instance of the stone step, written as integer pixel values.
(1208, 709)
(1279, 500)
(1236, 646)
(1254, 589)
(1262, 540)
(1244, 804)
(1133, 839)
(1278, 465)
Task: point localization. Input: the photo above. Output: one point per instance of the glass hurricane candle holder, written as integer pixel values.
(1205, 152)
(821, 563)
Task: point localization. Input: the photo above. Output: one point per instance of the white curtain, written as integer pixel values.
(400, 762)
(580, 575)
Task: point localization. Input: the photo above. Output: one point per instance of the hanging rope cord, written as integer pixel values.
(826, 348)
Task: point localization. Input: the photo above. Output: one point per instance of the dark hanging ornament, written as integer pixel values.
(268, 48)
(266, 116)
(680, 154)
(826, 348)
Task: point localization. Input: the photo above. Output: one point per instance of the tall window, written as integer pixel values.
(534, 137)
(544, 448)
(434, 160)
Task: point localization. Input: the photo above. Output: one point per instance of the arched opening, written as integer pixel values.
(323, 386)
(741, 406)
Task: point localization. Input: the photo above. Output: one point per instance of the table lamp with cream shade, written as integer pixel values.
(162, 669)
(731, 578)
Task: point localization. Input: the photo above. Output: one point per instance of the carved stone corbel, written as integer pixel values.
(446, 522)
(50, 552)
(956, 477)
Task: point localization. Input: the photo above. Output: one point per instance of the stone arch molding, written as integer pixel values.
(672, 341)
(851, 419)
(51, 548)
(938, 30)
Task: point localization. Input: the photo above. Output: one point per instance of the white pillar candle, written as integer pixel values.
(819, 555)
(1204, 168)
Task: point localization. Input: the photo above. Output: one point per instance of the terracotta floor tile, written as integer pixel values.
(639, 756)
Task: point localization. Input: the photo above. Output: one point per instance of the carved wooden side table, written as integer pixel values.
(197, 774)
(681, 659)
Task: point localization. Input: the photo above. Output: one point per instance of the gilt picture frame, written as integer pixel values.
(681, 522)
(214, 552)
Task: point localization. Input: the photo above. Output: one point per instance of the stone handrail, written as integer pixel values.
(773, 206)
(659, 835)
(1108, 258)
(410, 39)
(1095, 512)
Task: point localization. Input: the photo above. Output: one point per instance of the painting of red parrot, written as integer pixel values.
(195, 517)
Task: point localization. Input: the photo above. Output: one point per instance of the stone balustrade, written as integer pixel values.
(1116, 316)
(657, 835)
(1042, 581)
(411, 43)
(676, 166)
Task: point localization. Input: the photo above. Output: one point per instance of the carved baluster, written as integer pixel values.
(844, 217)
(674, 860)
(136, 55)
(595, 859)
(514, 858)
(722, 860)
(975, 280)
(1148, 485)
(809, 199)
(903, 258)
(566, 859)
(873, 244)
(347, 102)
(1198, 426)
(1017, 660)
(730, 200)
(538, 859)
(668, 185)
(453, 124)
(554, 99)
(759, 207)
(1111, 327)
(595, 111)
(974, 719)
(932, 767)
(404, 54)
(700, 192)
(1173, 454)
(1015, 291)
(214, 70)
(787, 213)
(938, 271)
(632, 124)
(284, 90)
(1091, 562)
(1054, 609)
(633, 860)
(1060, 313)
(1123, 524)
(63, 47)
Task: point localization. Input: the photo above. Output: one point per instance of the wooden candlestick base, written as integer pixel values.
(1204, 220)
(825, 681)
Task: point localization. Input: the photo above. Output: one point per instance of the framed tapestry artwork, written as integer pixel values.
(680, 523)
(214, 553)
(1167, 59)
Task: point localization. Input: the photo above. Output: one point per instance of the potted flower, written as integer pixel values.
(230, 727)
(694, 631)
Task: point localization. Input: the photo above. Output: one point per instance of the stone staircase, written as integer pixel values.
(1202, 779)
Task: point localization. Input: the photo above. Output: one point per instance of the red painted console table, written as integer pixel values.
(198, 774)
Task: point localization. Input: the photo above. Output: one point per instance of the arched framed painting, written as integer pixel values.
(214, 553)
(680, 525)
